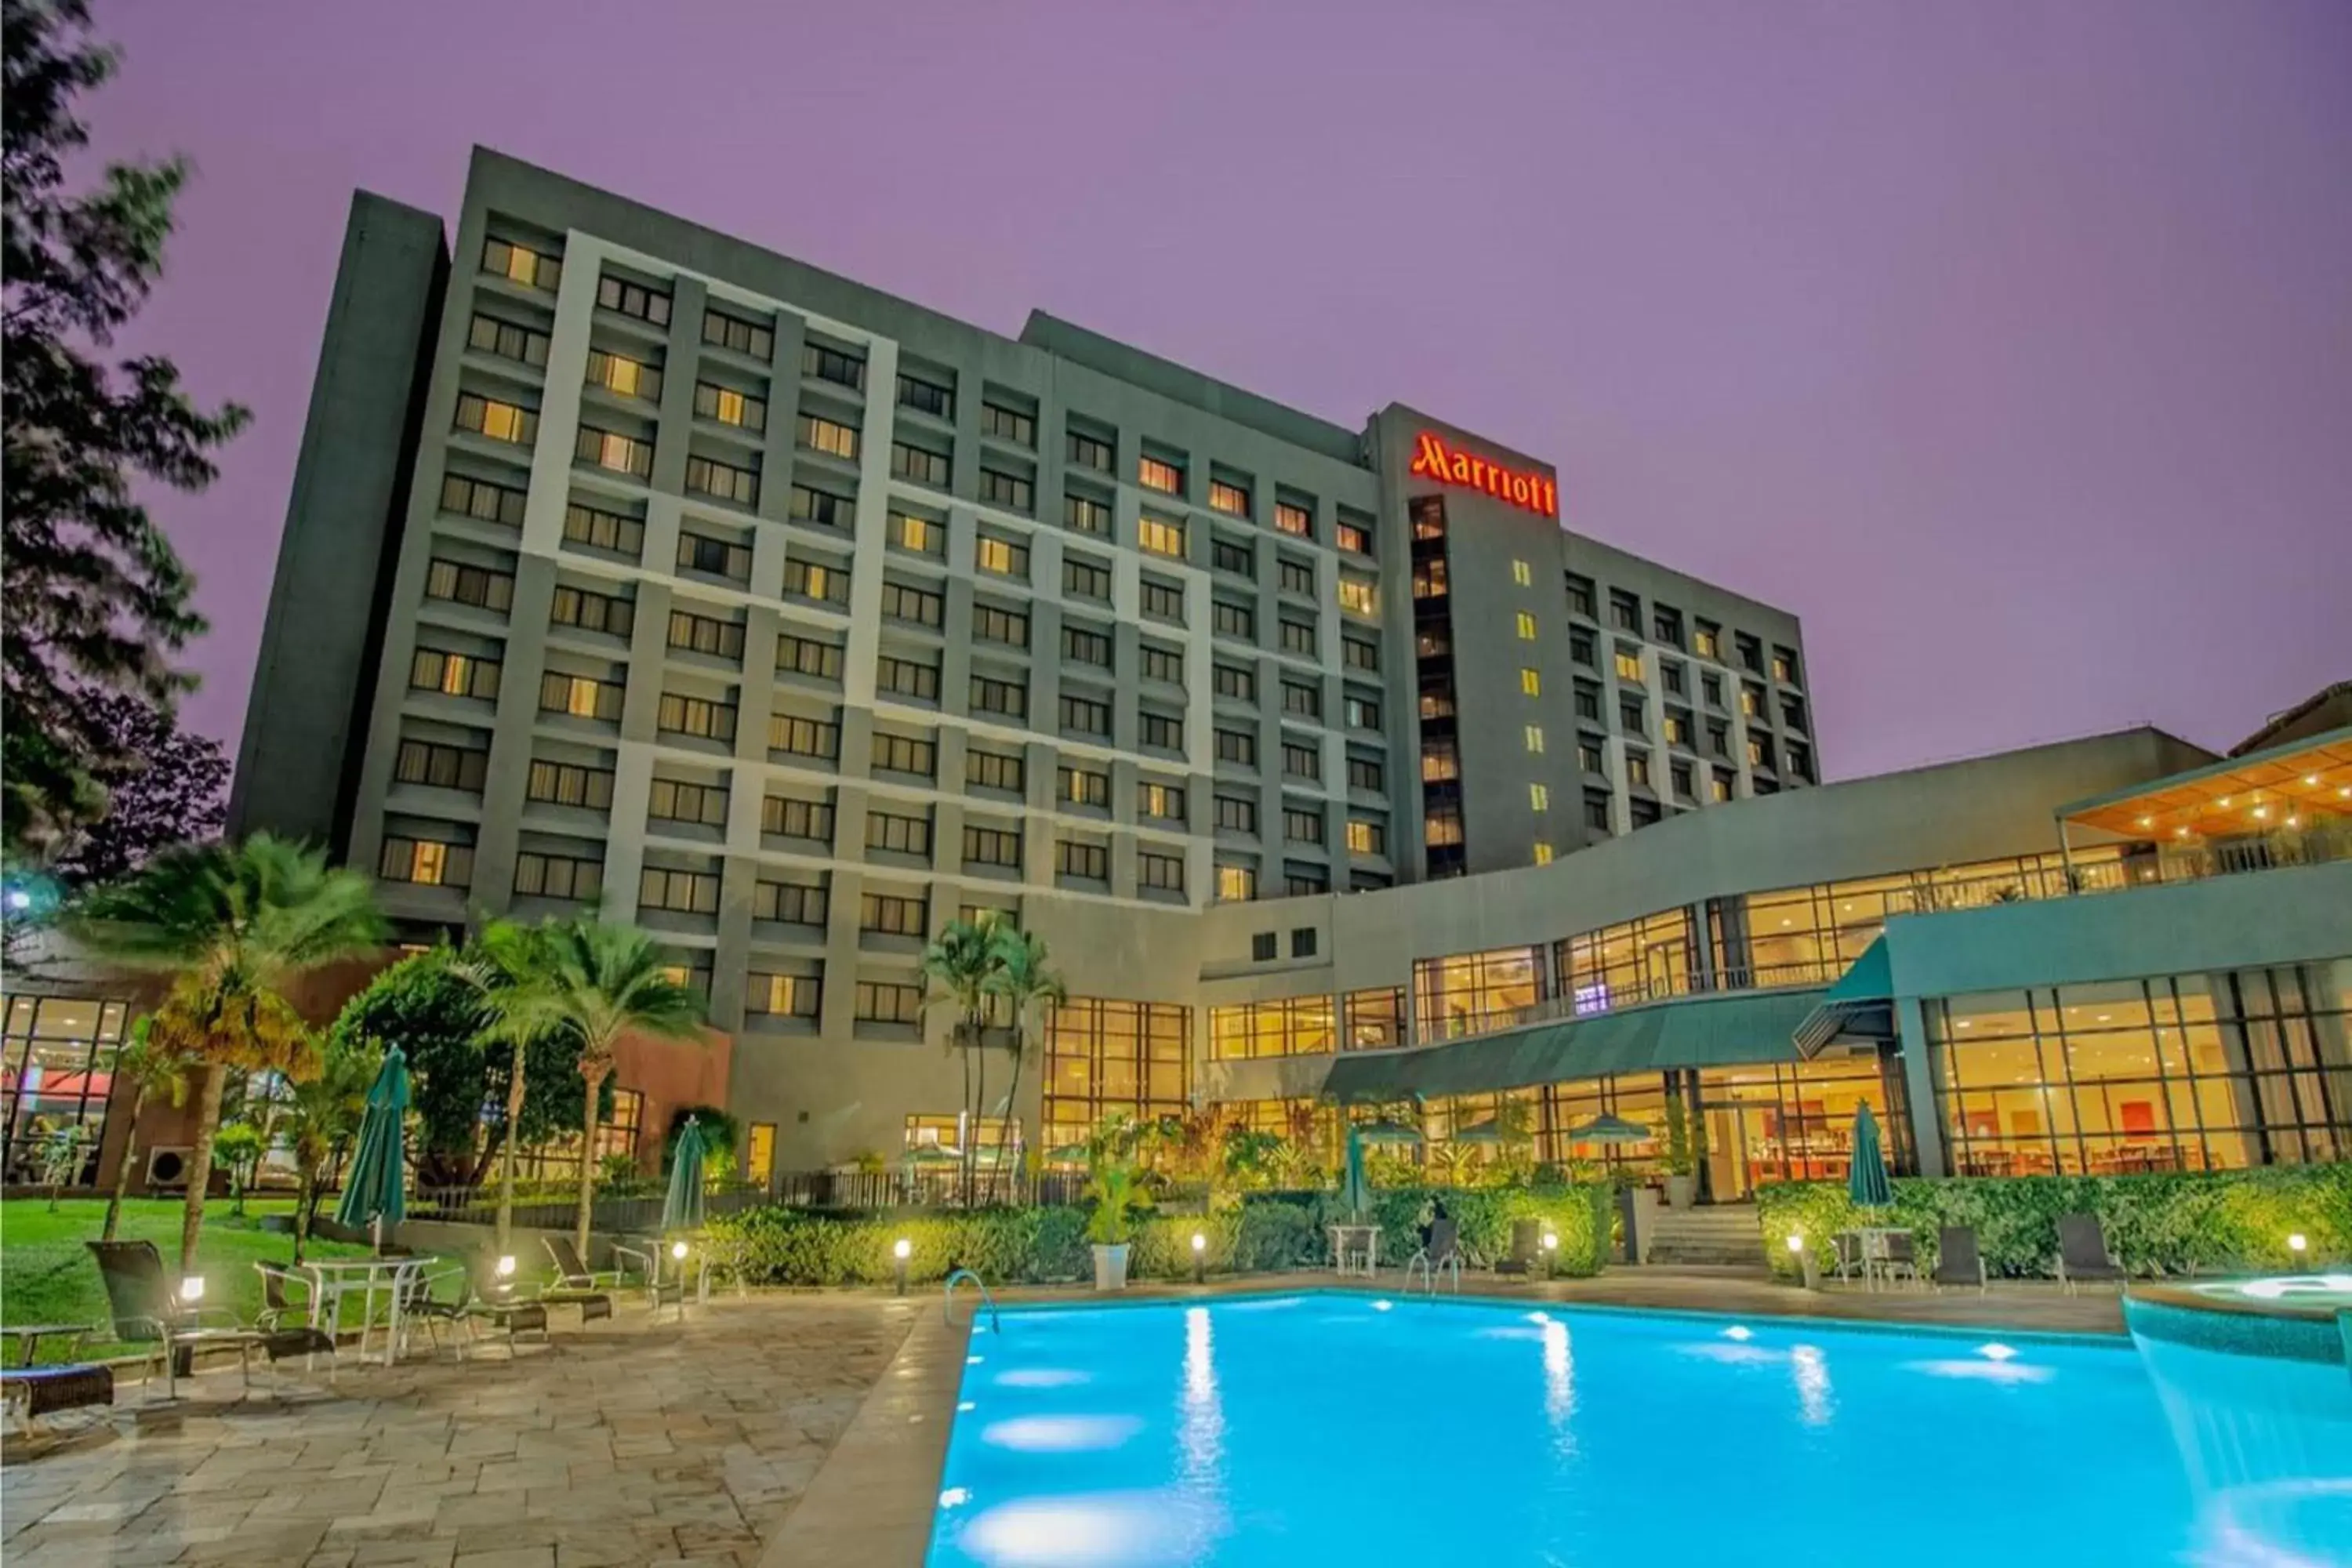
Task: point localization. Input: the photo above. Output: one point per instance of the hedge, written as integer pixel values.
(1268, 1232)
(2202, 1222)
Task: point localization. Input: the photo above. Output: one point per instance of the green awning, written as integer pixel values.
(1719, 1030)
(1863, 992)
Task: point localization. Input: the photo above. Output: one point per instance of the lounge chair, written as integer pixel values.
(573, 1287)
(1957, 1260)
(1526, 1248)
(2082, 1252)
(1441, 1252)
(32, 1392)
(1901, 1257)
(146, 1311)
(497, 1301)
(573, 1274)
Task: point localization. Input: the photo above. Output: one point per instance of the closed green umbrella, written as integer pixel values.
(1866, 1181)
(682, 1207)
(375, 1191)
(1355, 1192)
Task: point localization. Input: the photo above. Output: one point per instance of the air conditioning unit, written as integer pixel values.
(168, 1166)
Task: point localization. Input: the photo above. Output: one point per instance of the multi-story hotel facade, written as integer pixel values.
(631, 564)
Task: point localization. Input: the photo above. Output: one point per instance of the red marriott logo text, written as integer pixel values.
(1432, 459)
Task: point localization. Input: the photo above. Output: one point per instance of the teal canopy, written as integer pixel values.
(1355, 1192)
(1386, 1132)
(682, 1206)
(1609, 1129)
(1866, 1182)
(374, 1189)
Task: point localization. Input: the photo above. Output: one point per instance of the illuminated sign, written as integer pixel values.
(1432, 459)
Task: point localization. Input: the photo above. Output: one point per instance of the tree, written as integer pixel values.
(98, 599)
(147, 1068)
(589, 983)
(237, 1149)
(234, 925)
(1020, 977)
(163, 787)
(958, 962)
(319, 1118)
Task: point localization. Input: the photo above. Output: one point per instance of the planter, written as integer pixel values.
(1681, 1192)
(1111, 1267)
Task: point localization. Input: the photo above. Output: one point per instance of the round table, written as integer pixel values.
(332, 1279)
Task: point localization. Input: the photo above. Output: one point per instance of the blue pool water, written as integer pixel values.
(1339, 1428)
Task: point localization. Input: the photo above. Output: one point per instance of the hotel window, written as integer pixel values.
(1229, 619)
(918, 463)
(1087, 452)
(476, 586)
(992, 846)
(1784, 665)
(1238, 747)
(1296, 1026)
(1074, 858)
(1587, 701)
(1719, 786)
(1751, 700)
(1542, 852)
(557, 877)
(507, 339)
(441, 767)
(1234, 682)
(1082, 786)
(1164, 803)
(579, 697)
(1302, 827)
(453, 674)
(1625, 610)
(1535, 739)
(1711, 688)
(498, 421)
(907, 677)
(1352, 536)
(1301, 762)
(1163, 664)
(1530, 683)
(1628, 663)
(567, 784)
(1471, 992)
(1296, 521)
(1005, 699)
(804, 737)
(888, 1002)
(1160, 536)
(1112, 1056)
(1429, 579)
(788, 818)
(1665, 624)
(624, 376)
(905, 754)
(1236, 884)
(718, 557)
(984, 769)
(889, 915)
(722, 482)
(1637, 768)
(1007, 424)
(1526, 627)
(814, 432)
(1671, 677)
(1231, 556)
(902, 602)
(696, 716)
(784, 996)
(427, 862)
(1086, 514)
(1366, 836)
(1596, 810)
(1163, 872)
(926, 397)
(1083, 645)
(701, 633)
(1084, 716)
(1680, 774)
(1303, 701)
(1236, 814)
(1010, 491)
(1760, 751)
(1366, 775)
(1632, 717)
(1678, 728)
(1706, 639)
(1718, 739)
(1363, 712)
(1792, 712)
(702, 805)
(918, 534)
(1162, 601)
(1751, 650)
(993, 623)
(1373, 1019)
(822, 508)
(1589, 757)
(806, 579)
(602, 529)
(1084, 579)
(1004, 557)
(613, 452)
(1538, 797)
(682, 892)
(521, 264)
(1230, 499)
(1358, 596)
(1154, 474)
(1439, 762)
(897, 834)
(1298, 636)
(1800, 759)
(1580, 596)
(632, 299)
(1355, 653)
(749, 338)
(1522, 573)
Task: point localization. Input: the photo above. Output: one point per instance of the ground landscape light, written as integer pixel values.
(902, 1249)
(191, 1288)
(506, 1267)
(1200, 1242)
(2296, 1243)
(677, 1250)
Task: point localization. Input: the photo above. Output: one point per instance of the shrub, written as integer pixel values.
(2190, 1222)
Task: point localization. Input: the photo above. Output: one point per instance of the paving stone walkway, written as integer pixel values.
(629, 1444)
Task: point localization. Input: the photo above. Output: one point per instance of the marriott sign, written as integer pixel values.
(1432, 458)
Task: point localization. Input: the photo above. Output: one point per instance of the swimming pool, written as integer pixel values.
(1348, 1429)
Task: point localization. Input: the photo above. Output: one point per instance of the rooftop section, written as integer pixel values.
(2303, 783)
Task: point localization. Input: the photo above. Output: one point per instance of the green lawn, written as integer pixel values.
(46, 1275)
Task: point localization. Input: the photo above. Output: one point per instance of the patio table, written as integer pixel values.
(30, 1335)
(1356, 1249)
(1872, 1238)
(332, 1279)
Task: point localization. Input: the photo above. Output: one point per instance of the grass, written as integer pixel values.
(46, 1275)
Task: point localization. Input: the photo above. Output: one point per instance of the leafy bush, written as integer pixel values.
(2192, 1222)
(1268, 1232)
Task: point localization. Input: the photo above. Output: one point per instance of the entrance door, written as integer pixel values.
(1740, 1148)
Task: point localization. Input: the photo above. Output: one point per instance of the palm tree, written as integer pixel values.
(1019, 976)
(590, 983)
(234, 925)
(959, 961)
(148, 1071)
(319, 1118)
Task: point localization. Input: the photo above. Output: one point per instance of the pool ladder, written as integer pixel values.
(947, 1301)
(1427, 1272)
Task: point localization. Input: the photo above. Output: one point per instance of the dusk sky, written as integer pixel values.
(2009, 346)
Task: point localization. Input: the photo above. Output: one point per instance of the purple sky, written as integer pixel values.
(2011, 345)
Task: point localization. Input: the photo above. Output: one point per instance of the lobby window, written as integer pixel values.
(1526, 627)
(1469, 993)
(1530, 683)
(1158, 474)
(1296, 1026)
(1011, 491)
(1628, 663)
(1295, 520)
(1236, 885)
(1580, 596)
(1366, 836)
(926, 396)
(1104, 1056)
(1083, 786)
(1542, 853)
(1162, 601)
(488, 416)
(632, 299)
(920, 605)
(737, 335)
(1085, 514)
(1596, 810)
(822, 508)
(1161, 536)
(1008, 424)
(453, 674)
(1535, 740)
(521, 264)
(1373, 1019)
(1230, 498)
(1002, 557)
(818, 582)
(1004, 698)
(1234, 682)
(1086, 579)
(506, 340)
(1085, 451)
(1538, 797)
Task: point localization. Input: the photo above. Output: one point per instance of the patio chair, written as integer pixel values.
(1901, 1257)
(1527, 1246)
(1441, 1252)
(493, 1300)
(2082, 1252)
(573, 1274)
(645, 1254)
(419, 1304)
(572, 1287)
(278, 1305)
(146, 1311)
(1957, 1260)
(1846, 1252)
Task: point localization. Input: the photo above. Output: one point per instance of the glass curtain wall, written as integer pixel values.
(1471, 993)
(59, 1069)
(1103, 1057)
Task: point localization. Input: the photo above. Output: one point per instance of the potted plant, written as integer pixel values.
(1116, 1187)
(1685, 1147)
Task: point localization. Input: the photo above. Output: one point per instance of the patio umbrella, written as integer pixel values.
(1386, 1132)
(1866, 1181)
(1355, 1192)
(1609, 1129)
(1480, 1132)
(1067, 1154)
(682, 1205)
(934, 1154)
(374, 1191)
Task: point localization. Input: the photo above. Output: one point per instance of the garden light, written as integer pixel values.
(1200, 1258)
(2296, 1243)
(901, 1250)
(1796, 1242)
(506, 1267)
(677, 1251)
(191, 1288)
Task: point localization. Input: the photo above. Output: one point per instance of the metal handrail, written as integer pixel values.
(947, 1299)
(1429, 1268)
